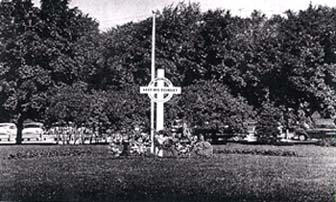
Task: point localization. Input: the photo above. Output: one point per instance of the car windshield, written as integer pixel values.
(33, 126)
(325, 123)
(6, 125)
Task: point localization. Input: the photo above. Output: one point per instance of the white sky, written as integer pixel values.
(115, 12)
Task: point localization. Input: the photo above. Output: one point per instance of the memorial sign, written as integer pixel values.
(160, 90)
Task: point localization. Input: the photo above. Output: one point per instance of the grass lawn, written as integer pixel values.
(236, 173)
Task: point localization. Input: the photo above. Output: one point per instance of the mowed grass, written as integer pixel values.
(235, 173)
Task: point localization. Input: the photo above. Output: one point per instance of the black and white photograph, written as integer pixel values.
(167, 101)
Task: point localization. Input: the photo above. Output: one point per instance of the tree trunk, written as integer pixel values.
(19, 126)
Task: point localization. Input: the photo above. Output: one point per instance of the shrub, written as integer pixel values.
(328, 142)
(212, 105)
(255, 151)
(267, 126)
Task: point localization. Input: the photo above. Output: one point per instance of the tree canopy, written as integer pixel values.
(56, 66)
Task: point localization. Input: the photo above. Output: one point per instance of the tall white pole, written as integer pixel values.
(152, 129)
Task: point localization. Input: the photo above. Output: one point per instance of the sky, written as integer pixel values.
(110, 13)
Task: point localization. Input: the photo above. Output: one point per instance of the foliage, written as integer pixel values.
(56, 67)
(68, 104)
(210, 104)
(126, 108)
(40, 49)
(98, 110)
(306, 66)
(127, 48)
(270, 118)
(250, 56)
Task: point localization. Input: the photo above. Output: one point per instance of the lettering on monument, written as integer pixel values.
(160, 89)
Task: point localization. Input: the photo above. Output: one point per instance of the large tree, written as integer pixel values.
(127, 48)
(210, 104)
(23, 79)
(40, 49)
(311, 55)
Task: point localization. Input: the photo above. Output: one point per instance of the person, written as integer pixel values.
(125, 146)
(203, 148)
(115, 146)
(186, 130)
(280, 128)
(164, 145)
(177, 126)
(139, 146)
(291, 123)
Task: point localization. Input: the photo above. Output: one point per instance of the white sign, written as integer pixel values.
(160, 90)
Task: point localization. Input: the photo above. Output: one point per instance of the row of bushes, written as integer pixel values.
(40, 153)
(255, 151)
(84, 151)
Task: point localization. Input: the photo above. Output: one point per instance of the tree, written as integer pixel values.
(72, 42)
(23, 80)
(210, 104)
(68, 104)
(127, 49)
(270, 118)
(127, 107)
(305, 68)
(40, 49)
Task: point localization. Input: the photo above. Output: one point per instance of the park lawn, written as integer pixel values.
(235, 173)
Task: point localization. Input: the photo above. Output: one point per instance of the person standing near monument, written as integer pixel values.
(115, 146)
(165, 145)
(125, 145)
(203, 148)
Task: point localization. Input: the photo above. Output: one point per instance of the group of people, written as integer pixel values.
(124, 144)
(179, 145)
(173, 143)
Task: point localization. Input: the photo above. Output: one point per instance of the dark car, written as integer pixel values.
(215, 135)
(322, 128)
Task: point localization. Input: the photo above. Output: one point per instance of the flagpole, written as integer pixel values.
(152, 129)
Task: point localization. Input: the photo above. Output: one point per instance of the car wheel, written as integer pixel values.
(302, 137)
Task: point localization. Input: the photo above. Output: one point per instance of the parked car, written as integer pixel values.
(251, 133)
(248, 135)
(32, 132)
(322, 128)
(214, 135)
(8, 133)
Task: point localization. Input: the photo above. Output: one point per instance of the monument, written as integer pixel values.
(159, 90)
